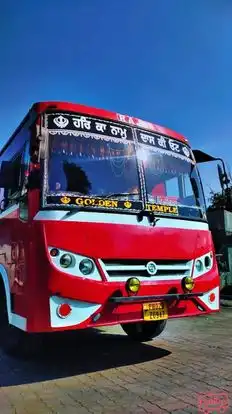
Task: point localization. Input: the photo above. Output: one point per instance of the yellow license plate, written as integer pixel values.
(156, 311)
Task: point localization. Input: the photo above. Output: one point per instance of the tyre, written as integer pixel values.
(14, 341)
(144, 331)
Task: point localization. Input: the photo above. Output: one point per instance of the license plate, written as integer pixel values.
(156, 311)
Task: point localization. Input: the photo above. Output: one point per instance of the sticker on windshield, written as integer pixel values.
(107, 203)
(111, 204)
(65, 200)
(162, 208)
(94, 202)
(87, 126)
(165, 144)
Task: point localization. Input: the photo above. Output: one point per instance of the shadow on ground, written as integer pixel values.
(68, 354)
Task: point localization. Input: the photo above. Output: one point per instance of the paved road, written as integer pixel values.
(102, 372)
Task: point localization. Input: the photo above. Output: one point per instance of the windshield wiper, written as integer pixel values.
(119, 195)
(72, 212)
(150, 215)
(143, 213)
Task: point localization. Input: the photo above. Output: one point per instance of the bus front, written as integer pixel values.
(125, 229)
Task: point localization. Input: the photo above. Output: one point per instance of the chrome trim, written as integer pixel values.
(120, 270)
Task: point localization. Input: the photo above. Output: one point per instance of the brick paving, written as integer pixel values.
(102, 371)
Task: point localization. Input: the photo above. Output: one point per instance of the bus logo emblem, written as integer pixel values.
(151, 268)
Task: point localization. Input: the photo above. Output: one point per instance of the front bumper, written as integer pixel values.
(105, 303)
(154, 298)
(119, 310)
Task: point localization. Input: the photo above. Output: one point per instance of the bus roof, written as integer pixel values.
(88, 110)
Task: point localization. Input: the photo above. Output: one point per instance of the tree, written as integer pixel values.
(221, 201)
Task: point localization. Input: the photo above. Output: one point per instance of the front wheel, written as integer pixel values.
(144, 331)
(17, 343)
(13, 341)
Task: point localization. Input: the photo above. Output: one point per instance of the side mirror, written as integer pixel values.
(8, 175)
(223, 177)
(220, 175)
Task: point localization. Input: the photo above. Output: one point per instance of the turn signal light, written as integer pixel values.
(54, 252)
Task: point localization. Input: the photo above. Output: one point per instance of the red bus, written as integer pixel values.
(103, 221)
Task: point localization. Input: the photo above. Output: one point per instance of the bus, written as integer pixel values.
(103, 222)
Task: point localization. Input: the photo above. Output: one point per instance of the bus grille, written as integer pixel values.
(120, 270)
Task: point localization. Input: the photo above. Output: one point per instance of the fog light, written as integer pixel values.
(188, 283)
(199, 266)
(133, 284)
(64, 310)
(66, 260)
(86, 266)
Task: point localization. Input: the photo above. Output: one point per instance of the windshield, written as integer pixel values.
(92, 167)
(92, 160)
(171, 180)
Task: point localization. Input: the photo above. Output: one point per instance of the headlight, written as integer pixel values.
(208, 262)
(74, 264)
(66, 260)
(203, 264)
(86, 266)
(199, 266)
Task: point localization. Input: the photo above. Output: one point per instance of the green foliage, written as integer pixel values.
(221, 201)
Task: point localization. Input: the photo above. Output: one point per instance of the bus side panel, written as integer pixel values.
(13, 252)
(13, 231)
(23, 256)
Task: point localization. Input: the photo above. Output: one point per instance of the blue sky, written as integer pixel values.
(166, 61)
